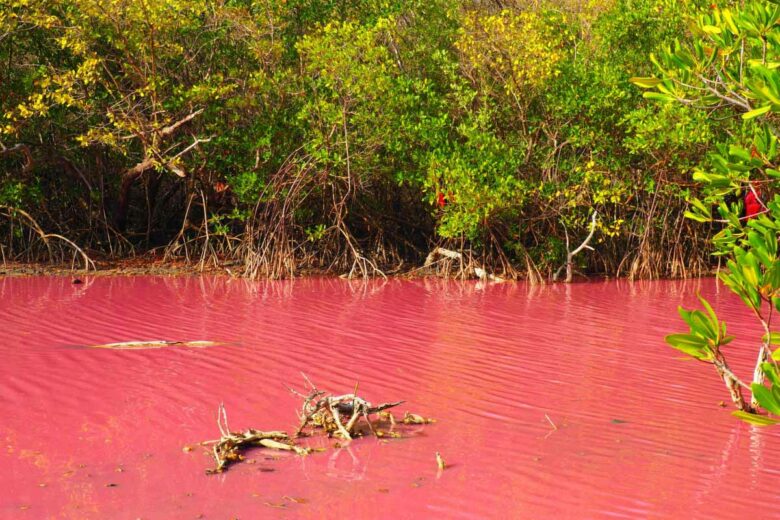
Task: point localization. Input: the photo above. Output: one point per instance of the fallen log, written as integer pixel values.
(142, 345)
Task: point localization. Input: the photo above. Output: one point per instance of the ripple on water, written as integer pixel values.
(551, 401)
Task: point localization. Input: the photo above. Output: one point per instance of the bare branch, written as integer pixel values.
(569, 265)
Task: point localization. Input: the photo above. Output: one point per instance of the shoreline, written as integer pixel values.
(150, 266)
(125, 267)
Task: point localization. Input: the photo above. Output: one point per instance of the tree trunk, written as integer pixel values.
(758, 374)
(129, 177)
(733, 386)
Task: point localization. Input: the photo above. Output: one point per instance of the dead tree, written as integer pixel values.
(569, 265)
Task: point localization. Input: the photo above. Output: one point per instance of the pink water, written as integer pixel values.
(94, 433)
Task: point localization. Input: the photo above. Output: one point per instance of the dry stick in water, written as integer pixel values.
(227, 448)
(162, 343)
(440, 465)
(440, 462)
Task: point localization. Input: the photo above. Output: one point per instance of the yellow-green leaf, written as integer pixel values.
(645, 82)
(757, 112)
(711, 29)
(754, 419)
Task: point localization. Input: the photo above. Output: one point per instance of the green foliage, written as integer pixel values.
(729, 64)
(371, 125)
(706, 334)
(19, 194)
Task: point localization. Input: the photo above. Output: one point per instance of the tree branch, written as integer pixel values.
(569, 265)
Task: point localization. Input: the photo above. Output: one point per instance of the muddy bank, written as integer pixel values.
(142, 265)
(151, 266)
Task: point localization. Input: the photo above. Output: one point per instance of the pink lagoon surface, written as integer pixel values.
(639, 432)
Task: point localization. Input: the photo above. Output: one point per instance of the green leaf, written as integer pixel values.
(656, 96)
(689, 344)
(771, 374)
(739, 153)
(708, 308)
(774, 339)
(699, 205)
(754, 419)
(703, 326)
(687, 340)
(759, 248)
(645, 82)
(757, 112)
(697, 217)
(765, 398)
(685, 314)
(730, 21)
(750, 269)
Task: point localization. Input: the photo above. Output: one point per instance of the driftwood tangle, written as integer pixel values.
(346, 416)
(330, 413)
(227, 449)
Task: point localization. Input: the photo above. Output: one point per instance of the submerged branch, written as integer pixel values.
(324, 411)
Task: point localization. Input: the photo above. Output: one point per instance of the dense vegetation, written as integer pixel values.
(351, 136)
